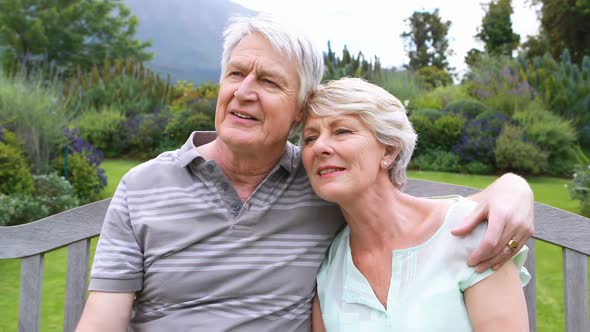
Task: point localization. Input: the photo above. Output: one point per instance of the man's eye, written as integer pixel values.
(269, 82)
(235, 73)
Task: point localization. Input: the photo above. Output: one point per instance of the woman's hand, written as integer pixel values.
(508, 206)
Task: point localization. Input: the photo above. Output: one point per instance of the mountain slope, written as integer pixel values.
(186, 35)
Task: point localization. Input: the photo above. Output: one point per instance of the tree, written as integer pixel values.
(496, 29)
(426, 42)
(349, 65)
(68, 33)
(564, 24)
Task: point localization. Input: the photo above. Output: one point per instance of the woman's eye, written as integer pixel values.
(342, 131)
(309, 139)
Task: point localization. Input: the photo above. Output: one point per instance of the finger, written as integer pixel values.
(471, 221)
(489, 246)
(497, 261)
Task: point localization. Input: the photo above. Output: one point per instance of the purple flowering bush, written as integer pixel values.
(478, 140)
(84, 172)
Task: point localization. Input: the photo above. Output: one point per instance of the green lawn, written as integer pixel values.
(549, 261)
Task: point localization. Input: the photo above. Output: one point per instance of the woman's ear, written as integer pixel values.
(389, 156)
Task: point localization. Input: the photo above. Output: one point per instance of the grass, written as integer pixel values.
(549, 261)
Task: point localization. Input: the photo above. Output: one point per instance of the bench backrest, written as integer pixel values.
(75, 228)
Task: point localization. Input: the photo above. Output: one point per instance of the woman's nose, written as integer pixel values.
(322, 146)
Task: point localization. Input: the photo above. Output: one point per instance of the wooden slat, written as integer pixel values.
(530, 291)
(31, 283)
(76, 283)
(52, 232)
(575, 284)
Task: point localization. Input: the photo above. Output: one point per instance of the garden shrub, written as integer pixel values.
(143, 134)
(441, 97)
(15, 175)
(447, 131)
(497, 82)
(512, 153)
(83, 176)
(32, 107)
(477, 167)
(579, 188)
(84, 173)
(552, 134)
(469, 108)
(182, 124)
(431, 113)
(437, 160)
(101, 129)
(402, 84)
(434, 77)
(478, 140)
(19, 209)
(55, 193)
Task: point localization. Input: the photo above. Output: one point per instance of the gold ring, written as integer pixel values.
(513, 244)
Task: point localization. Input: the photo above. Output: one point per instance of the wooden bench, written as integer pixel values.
(75, 228)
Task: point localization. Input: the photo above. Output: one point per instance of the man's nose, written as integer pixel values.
(246, 91)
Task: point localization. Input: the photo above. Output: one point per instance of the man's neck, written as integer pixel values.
(244, 169)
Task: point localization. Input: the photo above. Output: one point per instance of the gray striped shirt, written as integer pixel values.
(199, 259)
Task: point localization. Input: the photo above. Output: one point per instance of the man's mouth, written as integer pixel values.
(243, 116)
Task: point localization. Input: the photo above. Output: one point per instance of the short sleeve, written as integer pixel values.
(118, 261)
(518, 260)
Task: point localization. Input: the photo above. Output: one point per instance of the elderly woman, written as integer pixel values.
(396, 266)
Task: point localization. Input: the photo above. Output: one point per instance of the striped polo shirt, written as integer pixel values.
(177, 234)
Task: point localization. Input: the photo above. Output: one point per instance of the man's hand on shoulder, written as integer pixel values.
(508, 206)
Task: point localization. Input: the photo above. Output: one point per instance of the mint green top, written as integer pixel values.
(426, 287)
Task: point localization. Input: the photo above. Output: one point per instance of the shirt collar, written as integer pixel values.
(188, 152)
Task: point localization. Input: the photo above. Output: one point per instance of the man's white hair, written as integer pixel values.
(383, 113)
(287, 40)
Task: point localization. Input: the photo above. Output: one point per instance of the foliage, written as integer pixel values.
(55, 193)
(190, 95)
(426, 42)
(433, 77)
(34, 111)
(563, 86)
(552, 134)
(437, 160)
(469, 108)
(142, 134)
(348, 65)
(496, 29)
(497, 82)
(84, 173)
(478, 141)
(182, 124)
(579, 188)
(564, 25)
(441, 133)
(101, 129)
(514, 154)
(68, 33)
(19, 209)
(477, 167)
(123, 85)
(441, 97)
(402, 84)
(15, 173)
(430, 113)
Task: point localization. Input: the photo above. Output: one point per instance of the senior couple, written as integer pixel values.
(231, 235)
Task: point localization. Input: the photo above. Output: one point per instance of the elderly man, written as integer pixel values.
(229, 235)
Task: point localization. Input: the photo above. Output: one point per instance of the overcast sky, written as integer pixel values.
(374, 26)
